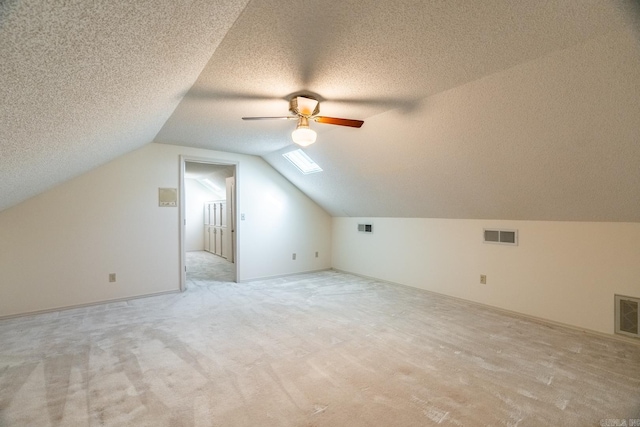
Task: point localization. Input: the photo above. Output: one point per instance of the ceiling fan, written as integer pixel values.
(306, 108)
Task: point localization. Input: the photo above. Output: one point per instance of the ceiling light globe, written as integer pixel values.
(304, 136)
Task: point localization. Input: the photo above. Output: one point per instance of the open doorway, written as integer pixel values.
(208, 222)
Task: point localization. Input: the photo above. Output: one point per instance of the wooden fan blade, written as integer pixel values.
(340, 122)
(271, 118)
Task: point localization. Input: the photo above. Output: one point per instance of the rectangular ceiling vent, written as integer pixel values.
(365, 228)
(627, 317)
(500, 237)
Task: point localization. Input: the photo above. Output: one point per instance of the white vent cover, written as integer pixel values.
(500, 236)
(627, 316)
(365, 228)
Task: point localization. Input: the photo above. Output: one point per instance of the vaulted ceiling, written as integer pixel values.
(495, 109)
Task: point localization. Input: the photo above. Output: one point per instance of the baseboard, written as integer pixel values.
(278, 276)
(89, 304)
(539, 320)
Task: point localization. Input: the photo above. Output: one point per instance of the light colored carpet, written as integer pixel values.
(206, 267)
(322, 349)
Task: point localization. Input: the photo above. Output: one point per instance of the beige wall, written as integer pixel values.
(57, 249)
(566, 272)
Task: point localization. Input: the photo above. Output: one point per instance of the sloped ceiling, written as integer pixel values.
(494, 109)
(216, 173)
(83, 82)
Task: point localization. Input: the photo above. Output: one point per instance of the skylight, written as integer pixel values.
(209, 185)
(303, 162)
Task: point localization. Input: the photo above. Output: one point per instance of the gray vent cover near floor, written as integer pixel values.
(501, 237)
(365, 228)
(627, 316)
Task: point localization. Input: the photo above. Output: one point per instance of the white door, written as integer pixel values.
(223, 214)
(207, 241)
(218, 235)
(207, 208)
(223, 244)
(231, 218)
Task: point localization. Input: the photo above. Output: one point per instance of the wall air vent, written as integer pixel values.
(365, 228)
(627, 317)
(500, 237)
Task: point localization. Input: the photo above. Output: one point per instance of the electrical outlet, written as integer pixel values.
(112, 277)
(483, 279)
(293, 257)
(316, 254)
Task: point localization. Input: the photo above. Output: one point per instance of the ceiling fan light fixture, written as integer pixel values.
(306, 108)
(303, 135)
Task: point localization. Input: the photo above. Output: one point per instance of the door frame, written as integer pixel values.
(184, 159)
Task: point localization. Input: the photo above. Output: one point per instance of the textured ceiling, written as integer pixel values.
(494, 109)
(557, 138)
(82, 82)
(500, 109)
(364, 58)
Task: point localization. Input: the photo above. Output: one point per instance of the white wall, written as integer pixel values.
(279, 221)
(195, 197)
(566, 272)
(57, 249)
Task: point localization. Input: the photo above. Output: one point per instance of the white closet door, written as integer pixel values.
(218, 240)
(223, 245)
(206, 214)
(230, 183)
(223, 214)
(206, 238)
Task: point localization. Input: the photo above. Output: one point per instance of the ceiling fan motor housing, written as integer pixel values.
(304, 106)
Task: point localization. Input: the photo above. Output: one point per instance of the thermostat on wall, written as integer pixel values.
(167, 197)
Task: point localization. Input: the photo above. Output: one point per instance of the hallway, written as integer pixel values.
(203, 266)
